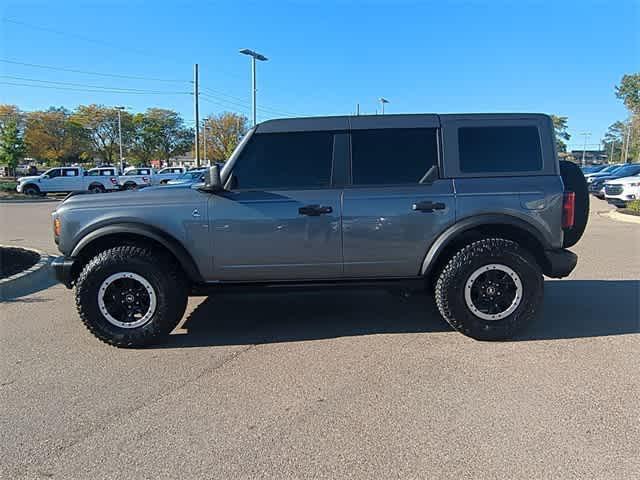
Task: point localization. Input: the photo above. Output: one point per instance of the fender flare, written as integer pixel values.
(169, 242)
(466, 224)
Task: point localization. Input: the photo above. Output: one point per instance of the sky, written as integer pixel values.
(324, 57)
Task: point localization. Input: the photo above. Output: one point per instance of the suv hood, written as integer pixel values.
(626, 180)
(146, 197)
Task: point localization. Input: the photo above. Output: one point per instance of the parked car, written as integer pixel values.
(596, 184)
(605, 171)
(134, 178)
(621, 191)
(475, 208)
(166, 174)
(189, 178)
(69, 179)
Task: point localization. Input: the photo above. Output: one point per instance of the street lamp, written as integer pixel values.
(382, 102)
(205, 127)
(120, 109)
(254, 56)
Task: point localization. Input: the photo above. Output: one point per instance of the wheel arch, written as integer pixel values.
(483, 226)
(131, 233)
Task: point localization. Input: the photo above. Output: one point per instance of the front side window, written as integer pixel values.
(285, 161)
(53, 173)
(393, 156)
(499, 149)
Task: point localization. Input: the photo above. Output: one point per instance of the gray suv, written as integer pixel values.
(475, 208)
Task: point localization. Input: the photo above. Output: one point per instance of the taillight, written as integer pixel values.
(57, 226)
(114, 181)
(569, 210)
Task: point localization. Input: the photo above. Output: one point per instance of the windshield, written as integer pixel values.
(627, 170)
(609, 169)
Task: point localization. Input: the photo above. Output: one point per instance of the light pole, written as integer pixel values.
(254, 56)
(120, 109)
(205, 127)
(382, 102)
(584, 150)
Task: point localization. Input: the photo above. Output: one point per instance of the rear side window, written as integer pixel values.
(499, 149)
(285, 160)
(392, 156)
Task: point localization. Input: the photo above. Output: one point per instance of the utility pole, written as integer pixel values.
(627, 142)
(254, 56)
(584, 150)
(196, 112)
(357, 109)
(119, 109)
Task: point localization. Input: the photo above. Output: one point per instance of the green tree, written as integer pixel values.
(9, 113)
(101, 126)
(629, 92)
(224, 131)
(53, 135)
(166, 129)
(613, 140)
(562, 135)
(12, 148)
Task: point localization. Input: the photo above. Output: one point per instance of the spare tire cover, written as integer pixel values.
(574, 181)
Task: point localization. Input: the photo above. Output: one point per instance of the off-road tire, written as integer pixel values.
(158, 269)
(574, 181)
(450, 296)
(31, 190)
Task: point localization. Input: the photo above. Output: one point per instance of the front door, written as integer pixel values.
(396, 204)
(280, 219)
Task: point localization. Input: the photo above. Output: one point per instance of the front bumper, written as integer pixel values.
(559, 262)
(62, 268)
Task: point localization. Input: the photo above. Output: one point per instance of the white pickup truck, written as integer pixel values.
(70, 179)
(144, 176)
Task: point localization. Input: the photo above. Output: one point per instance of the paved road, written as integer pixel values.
(349, 385)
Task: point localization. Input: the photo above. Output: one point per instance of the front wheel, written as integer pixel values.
(490, 289)
(31, 191)
(131, 296)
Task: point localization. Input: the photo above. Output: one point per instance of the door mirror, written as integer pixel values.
(212, 180)
(46, 175)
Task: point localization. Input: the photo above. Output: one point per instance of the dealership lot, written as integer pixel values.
(355, 384)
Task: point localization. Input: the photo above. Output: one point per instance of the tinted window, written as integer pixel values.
(499, 149)
(392, 156)
(285, 160)
(56, 172)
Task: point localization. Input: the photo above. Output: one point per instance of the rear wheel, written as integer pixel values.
(131, 296)
(97, 188)
(490, 289)
(130, 186)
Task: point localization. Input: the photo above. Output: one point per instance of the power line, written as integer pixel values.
(242, 100)
(94, 90)
(85, 72)
(124, 89)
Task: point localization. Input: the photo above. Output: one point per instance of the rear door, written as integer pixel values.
(393, 210)
(280, 220)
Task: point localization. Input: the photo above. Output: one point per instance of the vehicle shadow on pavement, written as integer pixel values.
(572, 309)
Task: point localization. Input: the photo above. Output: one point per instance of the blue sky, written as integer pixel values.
(560, 57)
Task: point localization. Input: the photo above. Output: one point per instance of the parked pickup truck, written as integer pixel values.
(70, 179)
(473, 208)
(139, 177)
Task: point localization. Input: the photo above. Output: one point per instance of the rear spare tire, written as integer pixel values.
(574, 181)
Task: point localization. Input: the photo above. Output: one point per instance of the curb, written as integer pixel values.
(29, 200)
(30, 280)
(623, 217)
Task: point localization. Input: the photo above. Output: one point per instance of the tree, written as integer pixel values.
(172, 136)
(9, 113)
(12, 147)
(54, 136)
(101, 126)
(159, 133)
(614, 137)
(224, 132)
(629, 92)
(562, 135)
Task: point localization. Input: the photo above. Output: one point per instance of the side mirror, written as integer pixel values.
(212, 180)
(46, 175)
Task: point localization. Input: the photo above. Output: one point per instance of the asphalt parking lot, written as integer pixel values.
(348, 385)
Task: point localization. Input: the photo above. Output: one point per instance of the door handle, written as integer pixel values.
(314, 210)
(428, 206)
